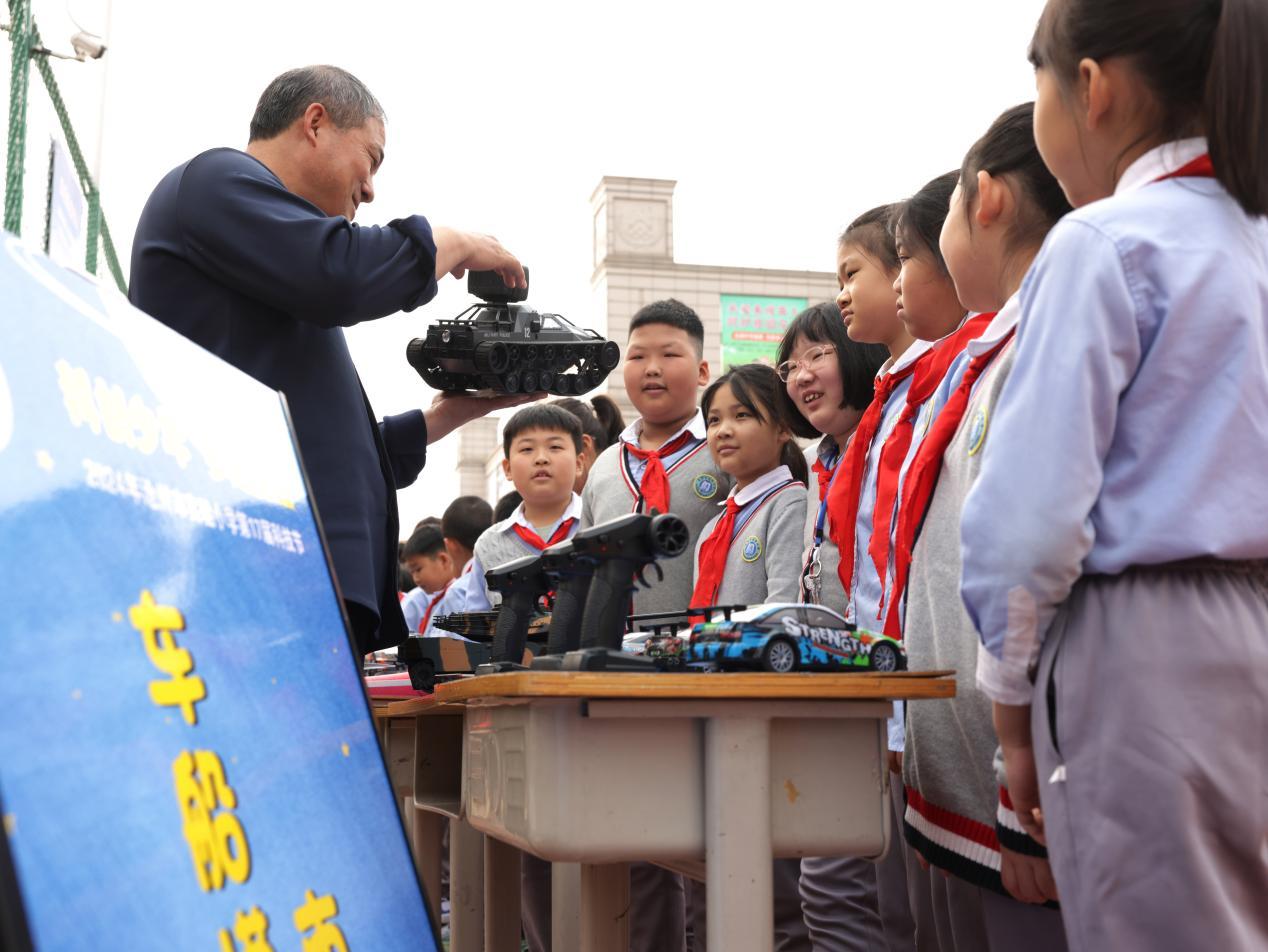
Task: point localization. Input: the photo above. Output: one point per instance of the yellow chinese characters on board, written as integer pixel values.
(312, 921)
(217, 841)
(156, 623)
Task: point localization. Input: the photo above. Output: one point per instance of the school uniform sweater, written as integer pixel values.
(955, 815)
(764, 557)
(500, 543)
(696, 486)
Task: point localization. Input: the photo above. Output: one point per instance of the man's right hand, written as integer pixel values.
(458, 252)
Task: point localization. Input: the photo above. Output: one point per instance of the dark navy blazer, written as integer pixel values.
(227, 256)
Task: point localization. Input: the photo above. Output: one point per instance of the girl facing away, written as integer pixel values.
(1116, 539)
(975, 857)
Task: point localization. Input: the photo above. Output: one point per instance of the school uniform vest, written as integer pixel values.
(696, 486)
(763, 562)
(954, 809)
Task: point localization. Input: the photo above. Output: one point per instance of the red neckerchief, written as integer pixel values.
(654, 486)
(843, 494)
(1200, 167)
(922, 478)
(422, 628)
(532, 538)
(930, 369)
(713, 559)
(824, 476)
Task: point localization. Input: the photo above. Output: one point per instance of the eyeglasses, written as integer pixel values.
(809, 360)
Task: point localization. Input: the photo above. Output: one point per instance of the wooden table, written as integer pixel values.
(710, 774)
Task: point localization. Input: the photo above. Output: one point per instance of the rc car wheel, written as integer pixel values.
(884, 657)
(779, 655)
(609, 355)
(528, 380)
(545, 380)
(511, 383)
(491, 356)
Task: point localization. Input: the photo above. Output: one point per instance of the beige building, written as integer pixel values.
(743, 309)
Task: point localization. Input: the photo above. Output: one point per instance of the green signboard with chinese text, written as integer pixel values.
(753, 326)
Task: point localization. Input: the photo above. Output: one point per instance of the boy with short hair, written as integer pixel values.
(660, 462)
(541, 444)
(429, 565)
(463, 521)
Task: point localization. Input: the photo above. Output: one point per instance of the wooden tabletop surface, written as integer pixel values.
(905, 685)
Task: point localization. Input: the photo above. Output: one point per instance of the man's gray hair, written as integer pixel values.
(345, 97)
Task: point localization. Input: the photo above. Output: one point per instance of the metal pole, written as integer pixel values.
(20, 37)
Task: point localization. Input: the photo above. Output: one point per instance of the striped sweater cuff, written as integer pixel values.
(1009, 831)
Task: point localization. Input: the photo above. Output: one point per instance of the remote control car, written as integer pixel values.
(503, 345)
(792, 638)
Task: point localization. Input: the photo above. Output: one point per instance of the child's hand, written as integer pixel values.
(1012, 724)
(1027, 878)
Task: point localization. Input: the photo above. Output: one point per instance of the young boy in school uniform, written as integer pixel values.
(541, 446)
(660, 462)
(430, 567)
(463, 522)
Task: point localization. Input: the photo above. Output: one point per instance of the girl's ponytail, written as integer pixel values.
(796, 462)
(1235, 106)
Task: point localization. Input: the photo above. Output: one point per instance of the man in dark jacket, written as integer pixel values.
(254, 256)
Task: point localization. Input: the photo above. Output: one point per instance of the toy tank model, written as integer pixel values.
(506, 346)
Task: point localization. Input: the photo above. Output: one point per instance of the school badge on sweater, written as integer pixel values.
(705, 485)
(977, 431)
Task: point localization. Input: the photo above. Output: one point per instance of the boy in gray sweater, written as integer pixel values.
(661, 462)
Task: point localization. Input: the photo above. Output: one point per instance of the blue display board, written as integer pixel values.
(187, 759)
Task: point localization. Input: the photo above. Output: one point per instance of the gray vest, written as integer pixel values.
(696, 486)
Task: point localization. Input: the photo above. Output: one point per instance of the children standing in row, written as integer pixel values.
(1001, 210)
(1126, 548)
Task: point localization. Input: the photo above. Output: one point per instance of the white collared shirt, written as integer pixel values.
(1159, 161)
(517, 518)
(754, 490)
(633, 434)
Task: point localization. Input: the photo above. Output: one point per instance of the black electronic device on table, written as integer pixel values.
(621, 550)
(571, 574)
(522, 583)
(505, 346)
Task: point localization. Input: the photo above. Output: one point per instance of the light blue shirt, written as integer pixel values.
(1133, 429)
(867, 589)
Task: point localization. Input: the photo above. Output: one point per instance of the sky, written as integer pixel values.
(779, 122)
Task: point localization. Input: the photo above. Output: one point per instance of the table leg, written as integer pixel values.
(426, 837)
(565, 907)
(501, 896)
(738, 834)
(466, 888)
(605, 908)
